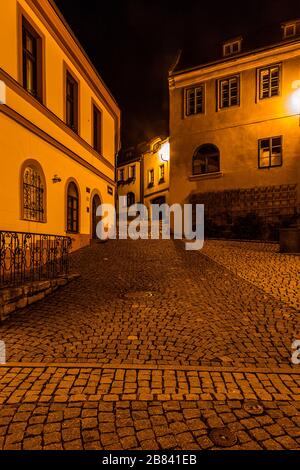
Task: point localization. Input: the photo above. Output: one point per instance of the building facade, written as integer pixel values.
(59, 127)
(143, 173)
(235, 137)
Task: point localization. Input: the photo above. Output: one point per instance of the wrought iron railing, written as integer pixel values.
(27, 257)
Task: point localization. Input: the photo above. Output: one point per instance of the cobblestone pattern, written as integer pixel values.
(261, 264)
(197, 313)
(147, 425)
(68, 385)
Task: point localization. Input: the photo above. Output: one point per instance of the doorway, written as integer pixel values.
(95, 219)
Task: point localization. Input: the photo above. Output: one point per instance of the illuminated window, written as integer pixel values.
(96, 129)
(232, 47)
(33, 195)
(72, 209)
(228, 92)
(206, 159)
(150, 178)
(161, 173)
(32, 60)
(270, 152)
(269, 82)
(194, 100)
(130, 199)
(71, 102)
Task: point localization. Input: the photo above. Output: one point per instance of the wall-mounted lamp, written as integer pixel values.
(56, 179)
(295, 97)
(164, 152)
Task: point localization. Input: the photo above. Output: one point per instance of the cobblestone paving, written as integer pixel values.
(152, 348)
(152, 302)
(151, 425)
(276, 273)
(71, 384)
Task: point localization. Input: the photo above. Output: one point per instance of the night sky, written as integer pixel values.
(133, 43)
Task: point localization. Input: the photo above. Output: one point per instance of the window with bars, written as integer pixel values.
(229, 92)
(206, 159)
(32, 63)
(33, 195)
(270, 152)
(269, 82)
(71, 102)
(194, 100)
(96, 129)
(72, 209)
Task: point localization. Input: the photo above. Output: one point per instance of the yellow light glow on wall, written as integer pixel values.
(164, 152)
(295, 97)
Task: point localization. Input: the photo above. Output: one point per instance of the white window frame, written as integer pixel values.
(228, 47)
(191, 94)
(260, 81)
(269, 151)
(220, 97)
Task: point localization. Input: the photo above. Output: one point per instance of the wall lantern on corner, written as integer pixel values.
(56, 179)
(164, 152)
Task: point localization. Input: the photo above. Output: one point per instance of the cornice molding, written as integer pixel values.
(21, 120)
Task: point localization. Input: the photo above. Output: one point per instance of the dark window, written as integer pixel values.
(269, 78)
(270, 152)
(71, 102)
(121, 175)
(161, 173)
(32, 63)
(206, 160)
(150, 178)
(72, 209)
(194, 100)
(130, 199)
(229, 93)
(33, 195)
(132, 171)
(96, 129)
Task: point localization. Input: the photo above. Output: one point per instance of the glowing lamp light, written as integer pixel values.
(295, 97)
(2, 92)
(164, 152)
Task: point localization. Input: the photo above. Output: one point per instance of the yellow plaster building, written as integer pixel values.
(143, 173)
(235, 134)
(59, 126)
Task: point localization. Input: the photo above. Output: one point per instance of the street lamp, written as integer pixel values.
(164, 152)
(295, 98)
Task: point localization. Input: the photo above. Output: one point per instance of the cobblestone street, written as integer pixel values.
(154, 347)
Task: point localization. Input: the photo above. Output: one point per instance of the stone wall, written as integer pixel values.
(15, 298)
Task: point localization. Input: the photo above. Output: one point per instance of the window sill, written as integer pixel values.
(206, 176)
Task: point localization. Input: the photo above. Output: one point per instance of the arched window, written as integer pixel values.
(130, 199)
(72, 208)
(206, 159)
(33, 194)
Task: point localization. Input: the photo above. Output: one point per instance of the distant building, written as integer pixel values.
(59, 128)
(235, 136)
(143, 173)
